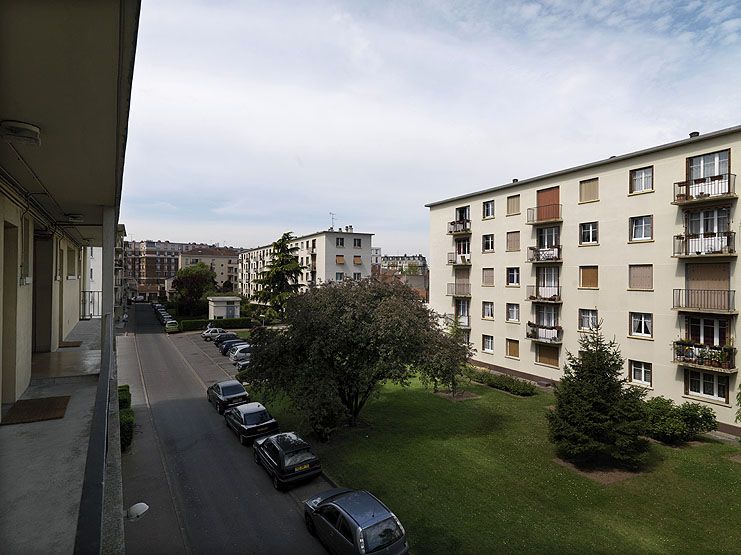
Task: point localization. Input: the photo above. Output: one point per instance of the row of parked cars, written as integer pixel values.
(344, 520)
(171, 325)
(229, 344)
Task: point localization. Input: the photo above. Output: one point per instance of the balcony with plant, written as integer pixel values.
(720, 358)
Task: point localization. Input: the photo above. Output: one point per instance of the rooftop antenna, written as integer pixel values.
(332, 215)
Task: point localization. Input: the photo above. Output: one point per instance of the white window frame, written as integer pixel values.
(642, 180)
(357, 276)
(644, 368)
(593, 232)
(488, 209)
(512, 309)
(715, 159)
(701, 393)
(588, 318)
(339, 242)
(339, 276)
(487, 242)
(487, 343)
(641, 223)
(357, 242)
(487, 310)
(513, 276)
(641, 324)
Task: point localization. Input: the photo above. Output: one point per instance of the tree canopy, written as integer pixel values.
(341, 342)
(279, 281)
(191, 283)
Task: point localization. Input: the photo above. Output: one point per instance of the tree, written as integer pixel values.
(280, 280)
(191, 283)
(341, 342)
(598, 418)
(445, 359)
(227, 287)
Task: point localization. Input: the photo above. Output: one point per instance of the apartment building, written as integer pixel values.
(330, 255)
(643, 242)
(150, 263)
(224, 261)
(407, 263)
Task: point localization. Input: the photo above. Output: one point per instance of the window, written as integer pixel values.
(357, 260)
(546, 354)
(513, 312)
(641, 228)
(487, 277)
(513, 205)
(91, 274)
(357, 276)
(641, 324)
(339, 259)
(642, 180)
(548, 237)
(487, 243)
(641, 276)
(587, 319)
(513, 348)
(513, 276)
(339, 242)
(706, 384)
(339, 276)
(708, 165)
(463, 213)
(357, 243)
(488, 209)
(589, 190)
(589, 277)
(513, 241)
(487, 309)
(588, 233)
(71, 263)
(487, 343)
(640, 372)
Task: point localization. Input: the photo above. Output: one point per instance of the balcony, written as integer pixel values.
(704, 189)
(541, 333)
(548, 213)
(544, 293)
(459, 227)
(463, 321)
(538, 255)
(705, 300)
(694, 245)
(711, 357)
(459, 289)
(455, 259)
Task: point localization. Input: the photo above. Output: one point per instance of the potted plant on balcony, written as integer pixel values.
(689, 353)
(714, 358)
(679, 351)
(681, 197)
(702, 356)
(725, 358)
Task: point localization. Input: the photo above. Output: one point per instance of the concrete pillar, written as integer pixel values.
(109, 246)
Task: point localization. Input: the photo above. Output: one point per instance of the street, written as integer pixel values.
(205, 492)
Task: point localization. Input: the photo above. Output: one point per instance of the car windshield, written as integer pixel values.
(254, 418)
(381, 535)
(234, 389)
(298, 457)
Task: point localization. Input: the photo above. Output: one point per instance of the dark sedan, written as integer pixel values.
(227, 394)
(250, 421)
(226, 345)
(219, 339)
(287, 459)
(350, 521)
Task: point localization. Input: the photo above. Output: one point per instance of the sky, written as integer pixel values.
(249, 119)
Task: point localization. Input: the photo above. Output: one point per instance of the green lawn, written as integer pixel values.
(478, 476)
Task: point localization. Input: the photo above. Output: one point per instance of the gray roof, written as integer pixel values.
(711, 135)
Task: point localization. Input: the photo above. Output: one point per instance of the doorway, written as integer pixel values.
(10, 312)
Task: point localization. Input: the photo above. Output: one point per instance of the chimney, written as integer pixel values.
(349, 228)
(515, 180)
(694, 134)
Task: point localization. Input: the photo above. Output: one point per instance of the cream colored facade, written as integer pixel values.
(223, 261)
(659, 267)
(331, 255)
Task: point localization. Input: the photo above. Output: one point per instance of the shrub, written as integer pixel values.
(670, 423)
(124, 397)
(226, 323)
(501, 381)
(126, 424)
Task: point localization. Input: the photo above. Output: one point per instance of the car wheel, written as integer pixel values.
(309, 524)
(256, 456)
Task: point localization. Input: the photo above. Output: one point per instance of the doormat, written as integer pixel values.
(63, 344)
(35, 410)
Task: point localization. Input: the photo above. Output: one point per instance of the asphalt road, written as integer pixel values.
(222, 501)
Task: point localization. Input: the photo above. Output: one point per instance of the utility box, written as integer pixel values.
(223, 307)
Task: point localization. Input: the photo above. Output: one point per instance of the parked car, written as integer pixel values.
(172, 326)
(226, 345)
(240, 352)
(242, 364)
(227, 394)
(250, 421)
(226, 336)
(210, 333)
(354, 521)
(287, 458)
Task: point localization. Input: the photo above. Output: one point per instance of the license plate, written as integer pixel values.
(302, 467)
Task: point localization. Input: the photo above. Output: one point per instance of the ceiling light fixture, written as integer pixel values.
(20, 132)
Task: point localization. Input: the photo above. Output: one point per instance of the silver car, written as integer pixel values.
(240, 352)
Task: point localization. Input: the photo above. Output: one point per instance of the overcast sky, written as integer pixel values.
(252, 118)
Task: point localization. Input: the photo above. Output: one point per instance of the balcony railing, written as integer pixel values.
(543, 214)
(459, 289)
(705, 188)
(705, 244)
(456, 259)
(544, 293)
(545, 254)
(710, 300)
(544, 333)
(459, 226)
(463, 321)
(697, 355)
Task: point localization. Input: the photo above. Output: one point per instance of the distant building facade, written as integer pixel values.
(224, 261)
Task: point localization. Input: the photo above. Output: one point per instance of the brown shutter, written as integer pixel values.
(546, 354)
(641, 276)
(513, 204)
(487, 276)
(588, 276)
(357, 260)
(589, 190)
(513, 348)
(709, 276)
(548, 200)
(339, 259)
(513, 240)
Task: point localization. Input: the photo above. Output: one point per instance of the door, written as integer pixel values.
(548, 238)
(548, 204)
(325, 523)
(547, 282)
(707, 231)
(462, 312)
(708, 286)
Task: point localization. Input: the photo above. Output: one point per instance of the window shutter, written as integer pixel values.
(589, 190)
(513, 204)
(588, 276)
(339, 259)
(487, 276)
(641, 276)
(547, 355)
(357, 260)
(513, 348)
(513, 240)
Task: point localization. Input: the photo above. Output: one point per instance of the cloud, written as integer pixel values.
(250, 119)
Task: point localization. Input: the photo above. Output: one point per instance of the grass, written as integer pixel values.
(244, 334)
(479, 476)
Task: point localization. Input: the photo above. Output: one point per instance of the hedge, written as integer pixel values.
(502, 381)
(670, 423)
(226, 323)
(124, 397)
(126, 420)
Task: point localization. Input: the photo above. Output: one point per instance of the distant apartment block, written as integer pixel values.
(331, 255)
(412, 264)
(224, 261)
(643, 242)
